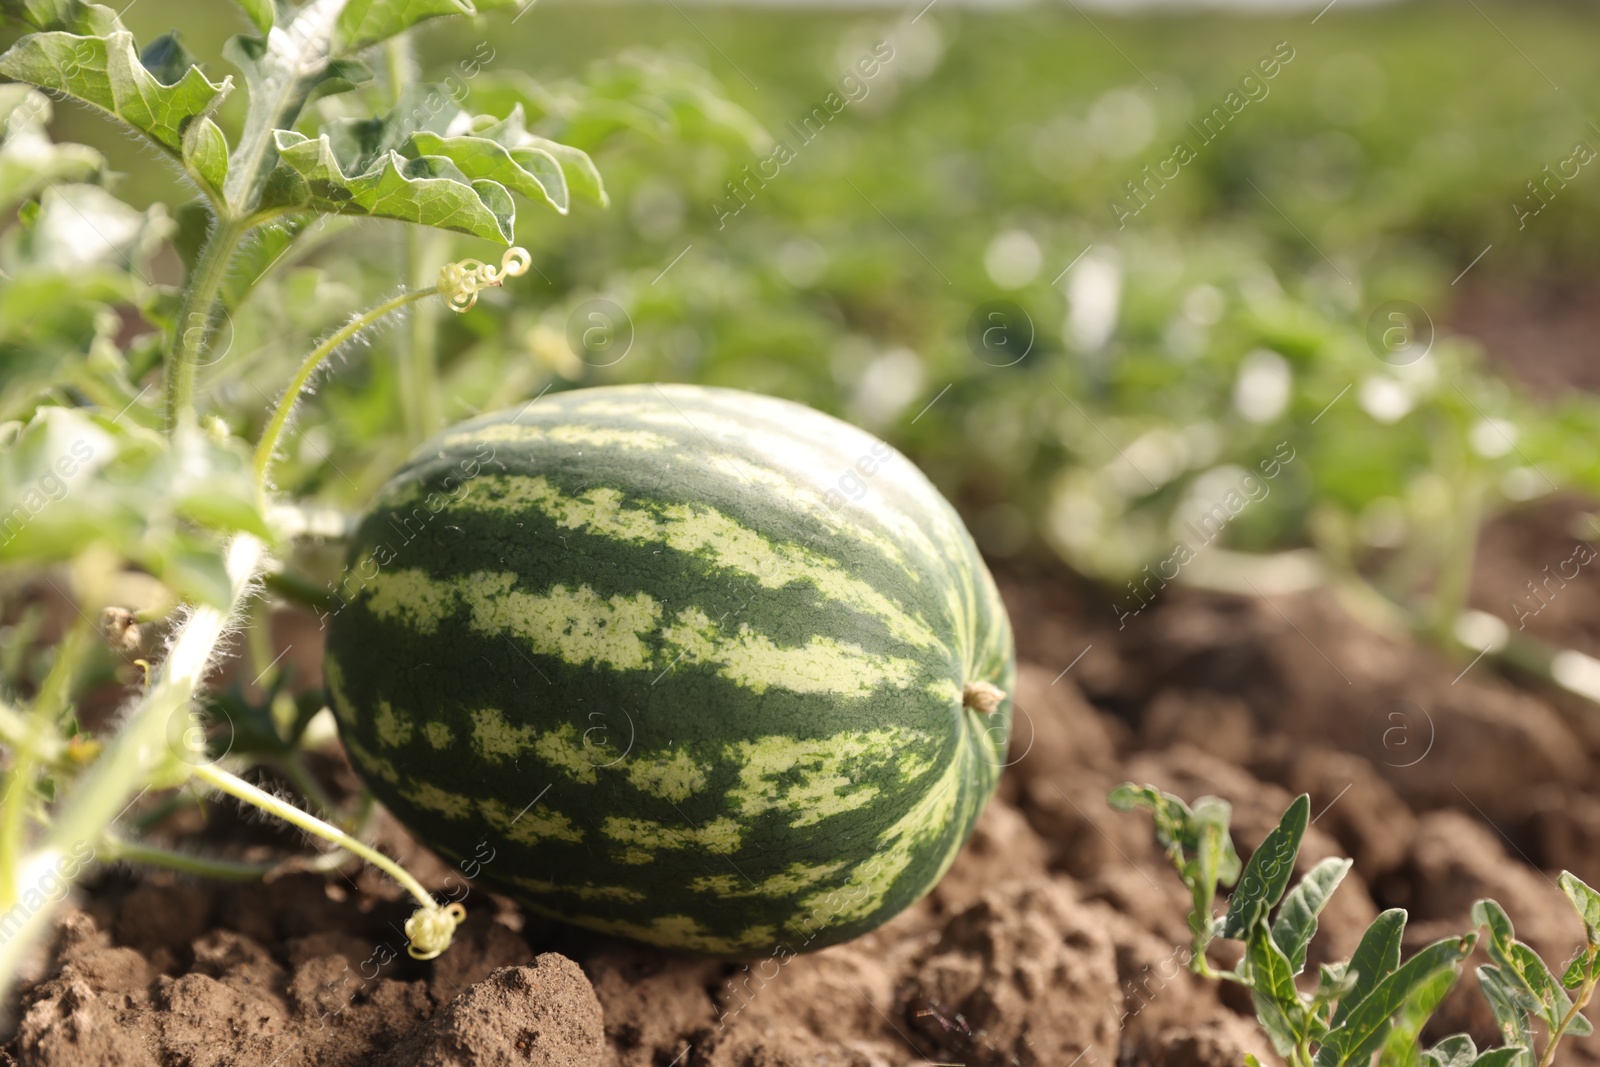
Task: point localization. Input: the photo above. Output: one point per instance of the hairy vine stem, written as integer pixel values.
(268, 444)
(430, 929)
(136, 754)
(1579, 1002)
(459, 284)
(191, 329)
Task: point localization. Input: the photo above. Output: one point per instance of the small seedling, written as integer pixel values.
(1372, 1006)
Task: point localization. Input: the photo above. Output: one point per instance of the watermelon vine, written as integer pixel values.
(258, 194)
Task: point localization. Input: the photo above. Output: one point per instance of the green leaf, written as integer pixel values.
(1520, 964)
(1297, 919)
(1457, 1050)
(1586, 901)
(29, 160)
(1376, 957)
(578, 170)
(430, 191)
(1366, 1025)
(106, 72)
(260, 12)
(284, 69)
(1267, 874)
(73, 16)
(1281, 1031)
(1502, 935)
(366, 22)
(1269, 968)
(1536, 978)
(1277, 1001)
(205, 154)
(1196, 841)
(72, 479)
(1505, 1056)
(533, 172)
(1576, 971)
(1510, 1004)
(421, 107)
(79, 227)
(1400, 1044)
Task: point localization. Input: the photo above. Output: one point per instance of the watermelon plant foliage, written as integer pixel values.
(156, 523)
(1373, 1006)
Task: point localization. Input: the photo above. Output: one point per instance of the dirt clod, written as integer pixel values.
(545, 1014)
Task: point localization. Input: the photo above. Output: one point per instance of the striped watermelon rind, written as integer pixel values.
(690, 662)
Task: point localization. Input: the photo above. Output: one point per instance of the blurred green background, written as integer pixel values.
(1143, 364)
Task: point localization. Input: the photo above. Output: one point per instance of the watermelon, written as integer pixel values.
(691, 666)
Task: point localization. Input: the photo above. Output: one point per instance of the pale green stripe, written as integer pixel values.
(561, 434)
(899, 846)
(796, 877)
(580, 627)
(646, 836)
(806, 777)
(701, 531)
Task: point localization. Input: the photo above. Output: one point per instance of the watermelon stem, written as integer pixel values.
(982, 696)
(268, 444)
(459, 284)
(430, 928)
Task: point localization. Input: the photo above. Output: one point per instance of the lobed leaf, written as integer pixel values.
(73, 479)
(430, 190)
(284, 70)
(533, 172)
(578, 170)
(106, 72)
(1267, 874)
(1297, 919)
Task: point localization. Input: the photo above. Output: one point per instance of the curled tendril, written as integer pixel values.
(430, 929)
(459, 283)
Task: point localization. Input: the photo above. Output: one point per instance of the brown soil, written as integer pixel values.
(1058, 937)
(1539, 330)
